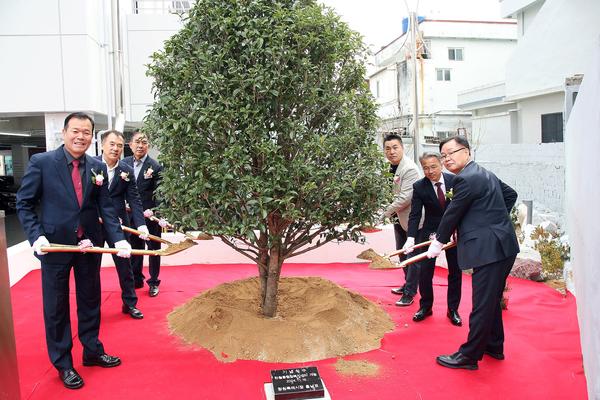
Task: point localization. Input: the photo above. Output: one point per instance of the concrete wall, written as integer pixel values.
(535, 171)
(558, 41)
(530, 112)
(52, 56)
(583, 216)
(143, 35)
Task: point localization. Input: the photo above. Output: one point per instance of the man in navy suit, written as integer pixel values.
(147, 177)
(122, 190)
(71, 191)
(487, 242)
(430, 195)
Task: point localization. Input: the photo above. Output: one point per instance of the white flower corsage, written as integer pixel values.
(396, 179)
(97, 178)
(450, 194)
(148, 173)
(125, 176)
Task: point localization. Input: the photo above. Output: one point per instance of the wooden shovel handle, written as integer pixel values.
(422, 256)
(64, 248)
(416, 246)
(138, 233)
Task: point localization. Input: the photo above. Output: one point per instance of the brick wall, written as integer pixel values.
(535, 171)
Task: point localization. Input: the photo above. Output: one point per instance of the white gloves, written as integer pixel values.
(124, 249)
(409, 245)
(144, 229)
(39, 243)
(148, 213)
(435, 248)
(163, 223)
(84, 244)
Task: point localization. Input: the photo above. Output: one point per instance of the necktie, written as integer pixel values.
(440, 195)
(76, 178)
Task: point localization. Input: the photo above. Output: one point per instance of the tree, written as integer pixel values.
(265, 124)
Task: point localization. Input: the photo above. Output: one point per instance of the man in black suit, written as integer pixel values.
(72, 193)
(122, 190)
(430, 194)
(147, 178)
(487, 242)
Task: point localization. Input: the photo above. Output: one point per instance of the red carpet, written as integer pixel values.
(543, 354)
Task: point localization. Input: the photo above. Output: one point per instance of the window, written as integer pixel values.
(443, 74)
(455, 54)
(445, 134)
(552, 128)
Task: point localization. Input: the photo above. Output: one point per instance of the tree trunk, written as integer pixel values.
(269, 308)
(263, 267)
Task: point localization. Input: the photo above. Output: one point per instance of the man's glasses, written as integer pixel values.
(444, 156)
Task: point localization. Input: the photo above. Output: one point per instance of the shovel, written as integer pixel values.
(171, 249)
(200, 236)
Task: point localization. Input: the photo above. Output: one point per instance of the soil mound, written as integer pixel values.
(316, 319)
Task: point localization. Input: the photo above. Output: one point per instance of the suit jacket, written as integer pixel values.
(146, 182)
(404, 178)
(425, 198)
(48, 183)
(123, 189)
(479, 210)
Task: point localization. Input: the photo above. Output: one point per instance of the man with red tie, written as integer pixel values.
(432, 194)
(71, 191)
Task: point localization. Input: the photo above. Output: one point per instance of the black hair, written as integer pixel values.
(461, 140)
(105, 134)
(392, 136)
(78, 115)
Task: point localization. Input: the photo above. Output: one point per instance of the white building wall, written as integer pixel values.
(144, 34)
(582, 140)
(530, 112)
(558, 42)
(51, 56)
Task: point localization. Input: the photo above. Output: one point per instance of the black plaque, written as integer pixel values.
(297, 383)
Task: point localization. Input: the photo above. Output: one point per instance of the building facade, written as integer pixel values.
(61, 56)
(452, 56)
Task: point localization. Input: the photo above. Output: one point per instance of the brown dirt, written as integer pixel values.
(316, 319)
(377, 261)
(362, 368)
(558, 285)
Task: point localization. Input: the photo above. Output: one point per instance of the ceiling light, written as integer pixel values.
(15, 134)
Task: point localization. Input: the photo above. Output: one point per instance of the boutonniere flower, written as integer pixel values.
(97, 178)
(125, 176)
(148, 173)
(450, 194)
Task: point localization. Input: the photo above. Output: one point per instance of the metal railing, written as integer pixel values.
(161, 6)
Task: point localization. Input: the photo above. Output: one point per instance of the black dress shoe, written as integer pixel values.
(497, 356)
(132, 311)
(104, 361)
(405, 300)
(422, 314)
(454, 317)
(153, 291)
(70, 378)
(457, 360)
(399, 291)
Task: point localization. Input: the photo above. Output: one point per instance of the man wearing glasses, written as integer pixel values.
(487, 242)
(147, 177)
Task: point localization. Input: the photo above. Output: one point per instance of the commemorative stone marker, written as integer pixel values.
(297, 383)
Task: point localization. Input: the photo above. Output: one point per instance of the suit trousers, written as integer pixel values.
(57, 321)
(426, 280)
(486, 331)
(411, 273)
(154, 261)
(125, 274)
